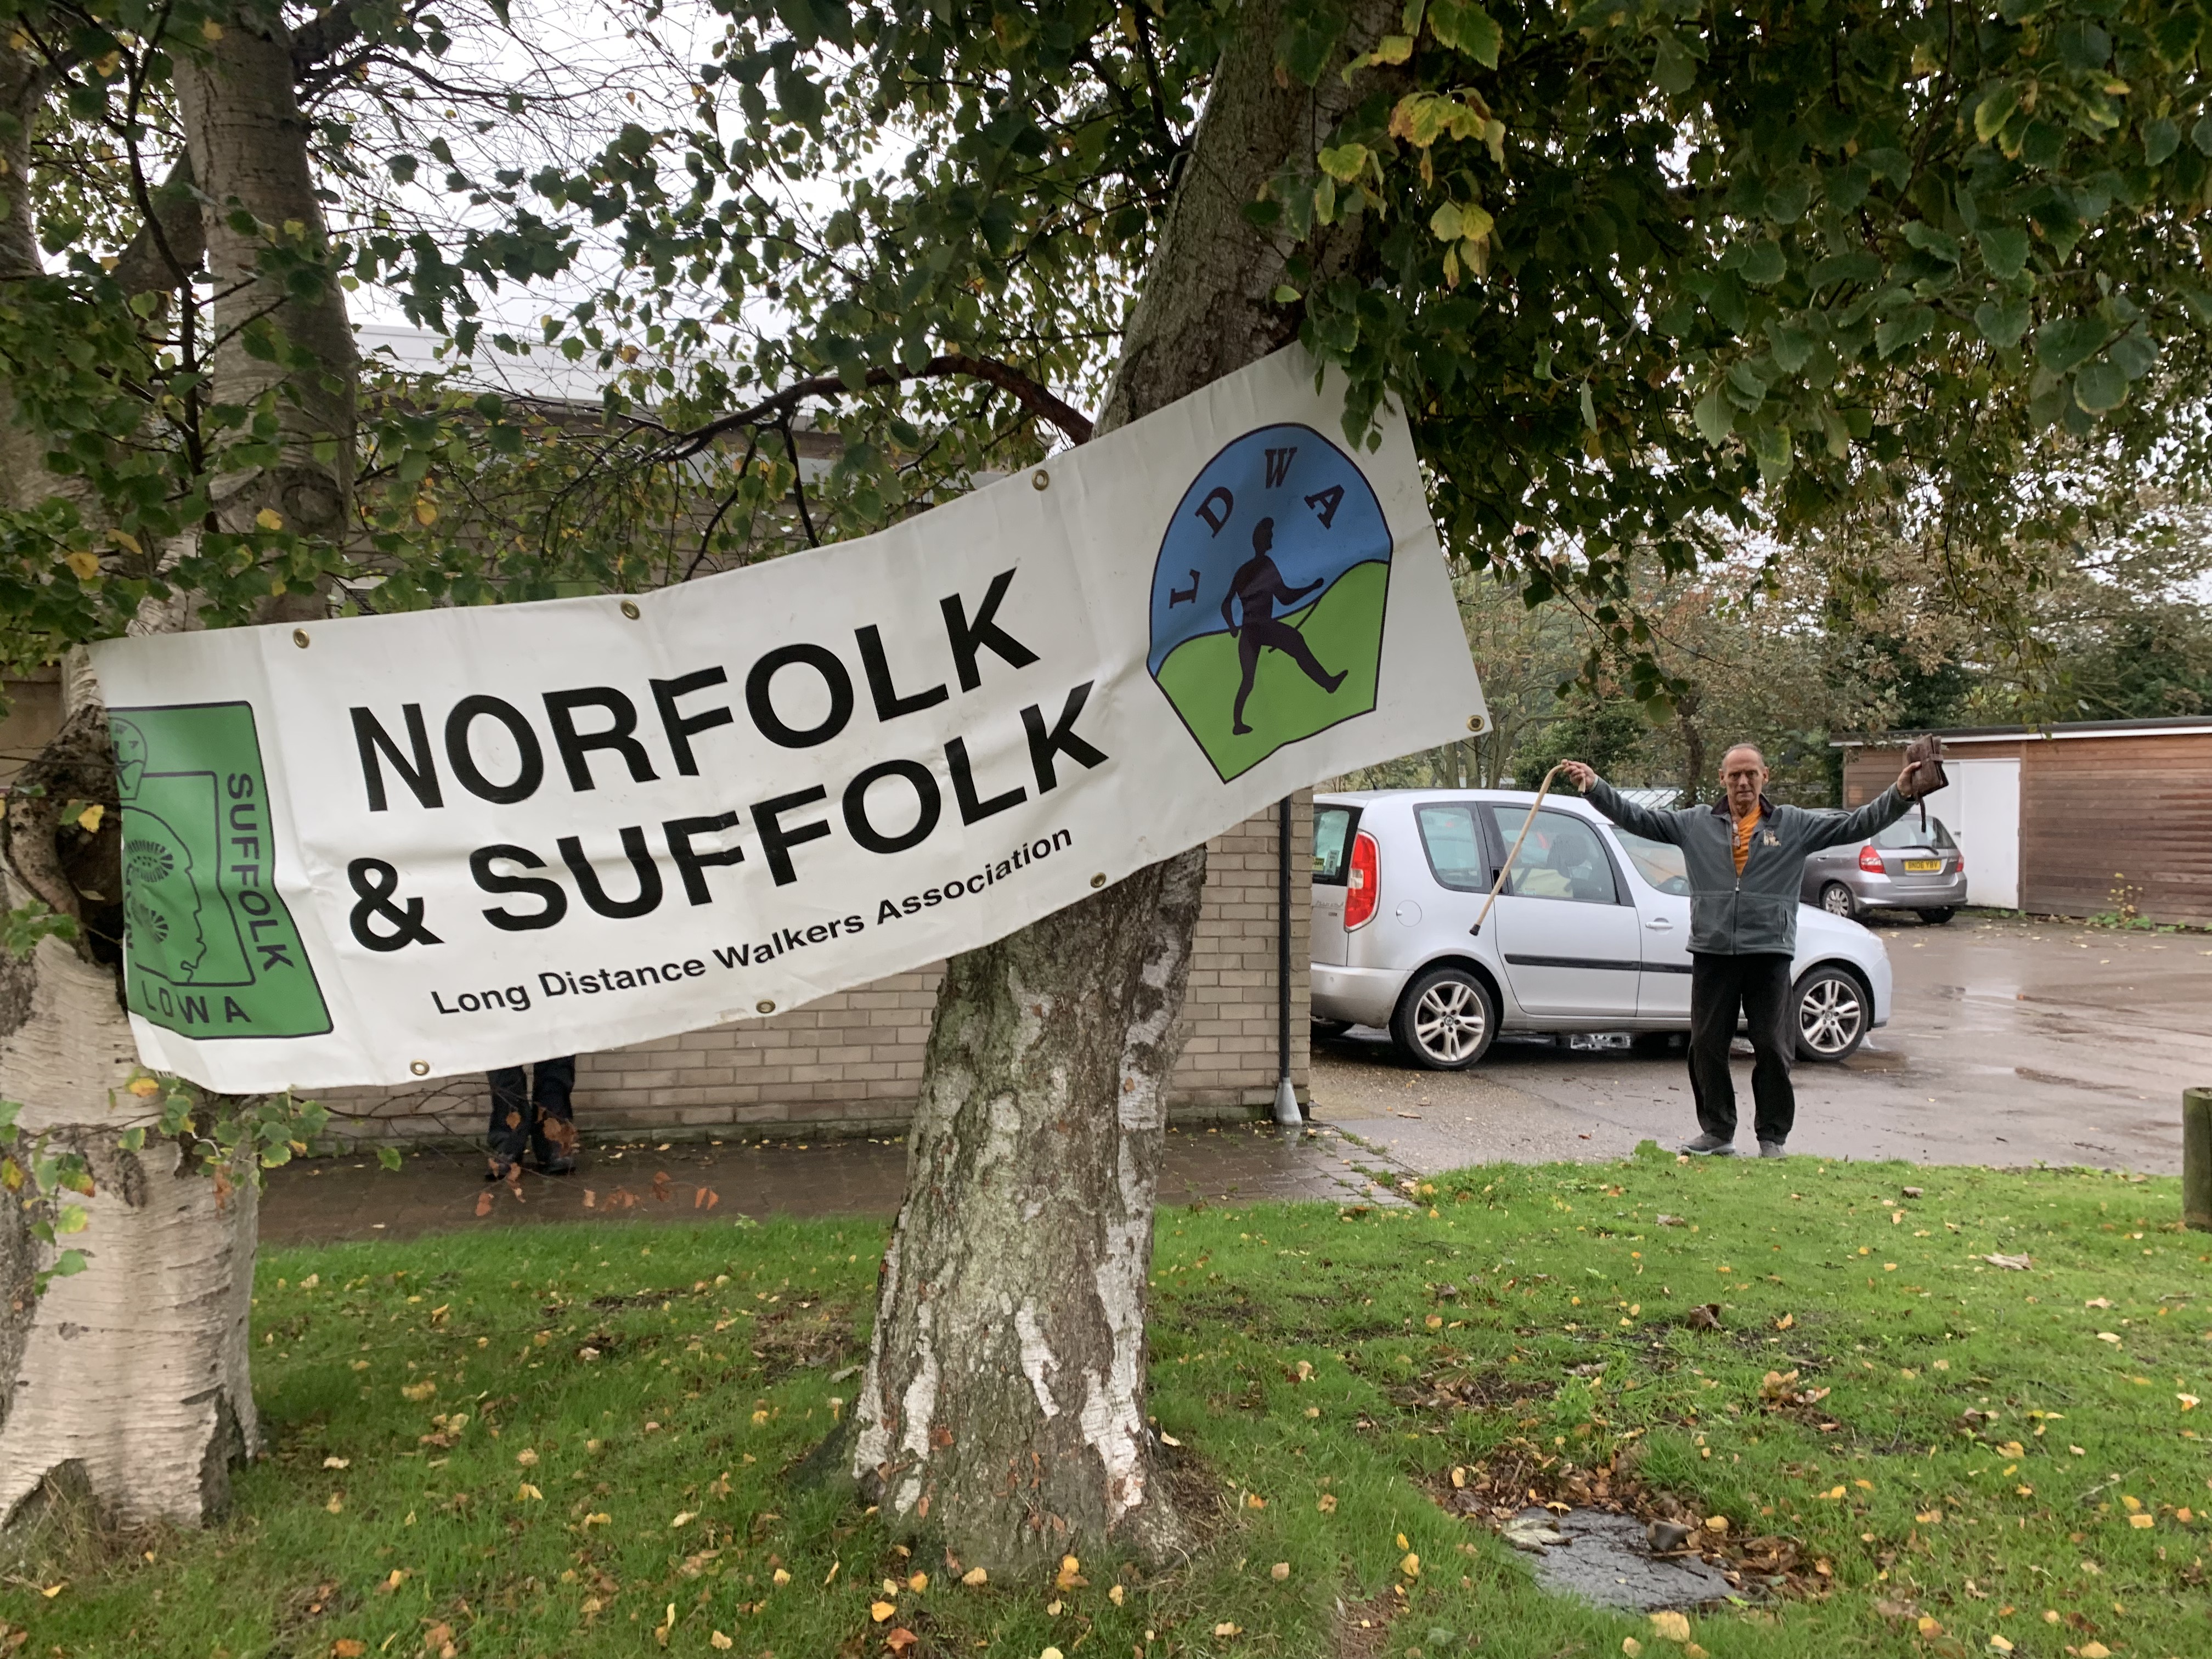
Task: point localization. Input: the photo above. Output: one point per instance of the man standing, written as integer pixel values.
(1746, 861)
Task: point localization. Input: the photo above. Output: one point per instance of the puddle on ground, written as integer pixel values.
(1606, 1558)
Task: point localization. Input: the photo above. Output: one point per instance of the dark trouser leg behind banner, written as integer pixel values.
(552, 1132)
(510, 1117)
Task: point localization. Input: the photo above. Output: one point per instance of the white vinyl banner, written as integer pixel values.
(384, 849)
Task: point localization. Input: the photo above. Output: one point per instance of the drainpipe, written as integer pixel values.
(1286, 1097)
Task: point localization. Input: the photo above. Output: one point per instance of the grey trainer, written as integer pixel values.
(1709, 1146)
(1773, 1149)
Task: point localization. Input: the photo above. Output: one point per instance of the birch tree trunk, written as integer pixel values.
(130, 1381)
(1003, 1402)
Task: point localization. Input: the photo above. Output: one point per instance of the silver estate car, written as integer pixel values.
(1589, 934)
(1906, 867)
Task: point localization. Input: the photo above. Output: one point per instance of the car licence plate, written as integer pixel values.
(1918, 865)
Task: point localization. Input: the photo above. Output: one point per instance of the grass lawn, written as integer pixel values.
(572, 1439)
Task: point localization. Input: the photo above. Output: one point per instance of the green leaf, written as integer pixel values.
(1765, 265)
(67, 1265)
(388, 1156)
(1770, 446)
(2004, 250)
(1589, 408)
(1285, 294)
(1444, 223)
(2100, 386)
(2066, 342)
(1714, 416)
(1907, 327)
(71, 1219)
(2001, 325)
(2201, 133)
(1994, 111)
(1344, 163)
(1672, 68)
(1467, 28)
(9, 1111)
(2160, 139)
(1792, 346)
(132, 1139)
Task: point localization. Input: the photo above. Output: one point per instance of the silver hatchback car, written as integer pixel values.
(1590, 931)
(1906, 867)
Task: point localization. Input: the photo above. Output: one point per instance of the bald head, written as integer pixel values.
(1743, 775)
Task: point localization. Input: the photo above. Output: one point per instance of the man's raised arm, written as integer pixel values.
(1637, 820)
(1841, 829)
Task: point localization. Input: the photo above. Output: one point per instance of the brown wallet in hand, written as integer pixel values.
(1925, 755)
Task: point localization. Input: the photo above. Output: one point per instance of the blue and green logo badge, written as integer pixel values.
(208, 949)
(1268, 599)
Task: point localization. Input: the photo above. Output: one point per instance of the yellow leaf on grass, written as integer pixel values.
(337, 1505)
(2143, 1522)
(1670, 1627)
(721, 1641)
(1784, 1324)
(1279, 1572)
(782, 1576)
(975, 1577)
(1327, 1504)
(338, 1462)
(684, 1519)
(418, 1392)
(526, 1493)
(1998, 1644)
(599, 1518)
(527, 1457)
(1224, 1628)
(919, 1582)
(2095, 1650)
(1631, 1647)
(349, 1647)
(881, 1611)
(1410, 1566)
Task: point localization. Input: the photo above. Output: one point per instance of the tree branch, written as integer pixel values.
(1040, 400)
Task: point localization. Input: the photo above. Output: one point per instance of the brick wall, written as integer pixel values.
(851, 1062)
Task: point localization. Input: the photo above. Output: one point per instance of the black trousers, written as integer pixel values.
(521, 1104)
(1759, 986)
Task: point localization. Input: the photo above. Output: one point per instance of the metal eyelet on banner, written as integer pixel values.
(1040, 479)
(1098, 880)
(765, 1007)
(629, 609)
(300, 638)
(420, 1067)
(1474, 722)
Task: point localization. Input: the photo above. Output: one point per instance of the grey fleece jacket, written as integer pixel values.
(1754, 913)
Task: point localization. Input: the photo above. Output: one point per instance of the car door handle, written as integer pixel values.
(1660, 925)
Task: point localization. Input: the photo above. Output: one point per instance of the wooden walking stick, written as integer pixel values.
(1542, 790)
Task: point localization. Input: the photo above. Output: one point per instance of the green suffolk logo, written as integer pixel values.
(208, 949)
(1268, 595)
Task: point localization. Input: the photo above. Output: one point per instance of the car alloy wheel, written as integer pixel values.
(1836, 899)
(1831, 1014)
(1445, 1020)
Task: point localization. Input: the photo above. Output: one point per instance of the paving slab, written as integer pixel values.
(2011, 1042)
(323, 1201)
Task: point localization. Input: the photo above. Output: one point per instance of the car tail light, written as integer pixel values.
(1962, 864)
(1363, 887)
(1869, 860)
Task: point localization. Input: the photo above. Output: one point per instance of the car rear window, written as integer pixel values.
(1332, 827)
(1659, 862)
(1907, 832)
(1455, 854)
